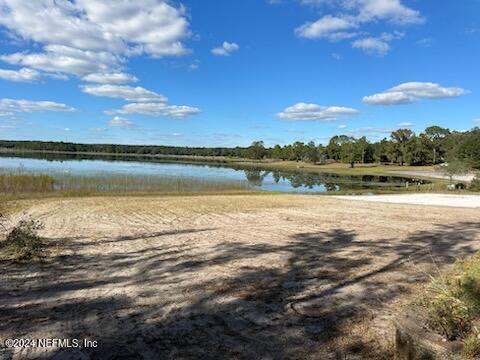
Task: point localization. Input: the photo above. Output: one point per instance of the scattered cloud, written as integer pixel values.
(378, 46)
(110, 78)
(87, 36)
(405, 124)
(65, 60)
(369, 130)
(97, 130)
(352, 15)
(226, 49)
(118, 121)
(294, 131)
(157, 109)
(476, 121)
(125, 92)
(28, 106)
(332, 28)
(343, 126)
(411, 92)
(392, 11)
(22, 75)
(314, 112)
(373, 46)
(336, 56)
(425, 42)
(7, 124)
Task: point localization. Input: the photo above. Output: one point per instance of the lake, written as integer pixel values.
(81, 172)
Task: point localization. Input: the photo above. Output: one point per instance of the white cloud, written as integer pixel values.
(22, 75)
(88, 36)
(374, 46)
(329, 27)
(157, 109)
(226, 49)
(14, 105)
(110, 78)
(312, 112)
(342, 126)
(351, 15)
(125, 92)
(405, 124)
(66, 60)
(118, 121)
(476, 121)
(369, 130)
(411, 92)
(378, 46)
(391, 10)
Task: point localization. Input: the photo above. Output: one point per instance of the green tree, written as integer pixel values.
(335, 145)
(467, 149)
(311, 153)
(350, 151)
(434, 137)
(256, 150)
(400, 141)
(380, 151)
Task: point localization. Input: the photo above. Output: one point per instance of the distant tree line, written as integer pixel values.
(434, 145)
(61, 146)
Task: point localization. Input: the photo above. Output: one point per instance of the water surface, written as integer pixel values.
(132, 173)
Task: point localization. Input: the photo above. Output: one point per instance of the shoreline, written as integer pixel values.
(334, 168)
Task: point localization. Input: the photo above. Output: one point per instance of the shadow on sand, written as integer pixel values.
(262, 312)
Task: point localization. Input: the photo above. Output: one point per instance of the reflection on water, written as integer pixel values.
(133, 169)
(305, 181)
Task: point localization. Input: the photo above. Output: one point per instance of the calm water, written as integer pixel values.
(60, 167)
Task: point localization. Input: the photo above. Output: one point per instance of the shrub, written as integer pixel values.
(471, 348)
(475, 184)
(23, 240)
(453, 302)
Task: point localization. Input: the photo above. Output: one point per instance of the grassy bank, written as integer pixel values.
(359, 169)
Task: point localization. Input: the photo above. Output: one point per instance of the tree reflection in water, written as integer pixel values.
(322, 181)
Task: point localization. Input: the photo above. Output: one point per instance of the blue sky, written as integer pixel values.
(224, 73)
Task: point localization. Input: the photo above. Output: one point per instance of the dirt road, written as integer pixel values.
(247, 276)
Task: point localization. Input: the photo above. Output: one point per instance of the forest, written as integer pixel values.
(435, 145)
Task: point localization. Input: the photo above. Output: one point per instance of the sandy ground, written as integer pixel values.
(451, 200)
(435, 175)
(226, 277)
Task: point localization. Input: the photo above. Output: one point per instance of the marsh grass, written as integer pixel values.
(15, 183)
(130, 183)
(19, 182)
